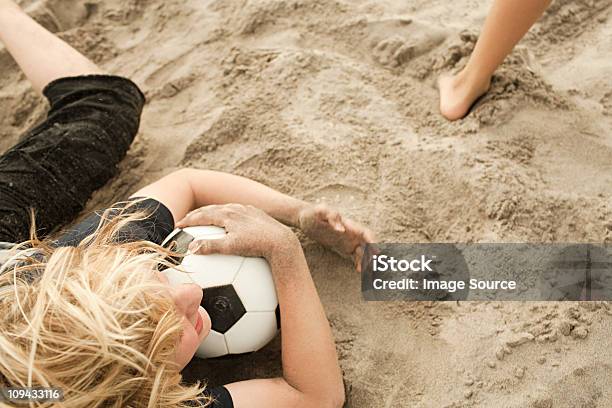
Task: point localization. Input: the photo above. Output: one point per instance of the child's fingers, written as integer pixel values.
(358, 256)
(361, 233)
(210, 246)
(210, 215)
(332, 217)
(335, 219)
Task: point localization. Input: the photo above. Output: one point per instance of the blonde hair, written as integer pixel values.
(93, 321)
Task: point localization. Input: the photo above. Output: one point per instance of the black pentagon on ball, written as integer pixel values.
(277, 313)
(223, 306)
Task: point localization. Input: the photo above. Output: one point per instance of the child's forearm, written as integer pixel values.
(189, 189)
(310, 362)
(212, 187)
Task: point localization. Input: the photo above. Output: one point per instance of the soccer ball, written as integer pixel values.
(239, 294)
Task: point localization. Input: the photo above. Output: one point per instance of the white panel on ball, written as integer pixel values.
(213, 346)
(255, 286)
(205, 232)
(239, 337)
(212, 270)
(177, 277)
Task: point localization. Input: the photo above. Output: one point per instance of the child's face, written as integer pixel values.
(196, 322)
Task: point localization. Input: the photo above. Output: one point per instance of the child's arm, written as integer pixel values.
(189, 189)
(311, 375)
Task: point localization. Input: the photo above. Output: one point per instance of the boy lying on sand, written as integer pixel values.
(88, 312)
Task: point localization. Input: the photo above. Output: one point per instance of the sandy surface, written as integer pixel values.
(333, 101)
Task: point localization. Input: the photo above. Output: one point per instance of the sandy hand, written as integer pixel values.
(340, 234)
(250, 231)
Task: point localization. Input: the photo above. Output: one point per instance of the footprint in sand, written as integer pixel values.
(394, 42)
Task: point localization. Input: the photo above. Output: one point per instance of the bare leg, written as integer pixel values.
(506, 24)
(42, 56)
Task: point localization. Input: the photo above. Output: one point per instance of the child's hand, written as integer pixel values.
(250, 231)
(329, 228)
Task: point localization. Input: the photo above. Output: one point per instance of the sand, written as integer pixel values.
(333, 101)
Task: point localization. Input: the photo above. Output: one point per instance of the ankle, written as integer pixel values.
(459, 92)
(472, 81)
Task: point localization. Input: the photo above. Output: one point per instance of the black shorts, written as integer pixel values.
(56, 166)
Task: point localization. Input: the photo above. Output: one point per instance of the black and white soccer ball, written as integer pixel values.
(239, 294)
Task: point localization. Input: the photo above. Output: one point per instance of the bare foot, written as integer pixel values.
(458, 94)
